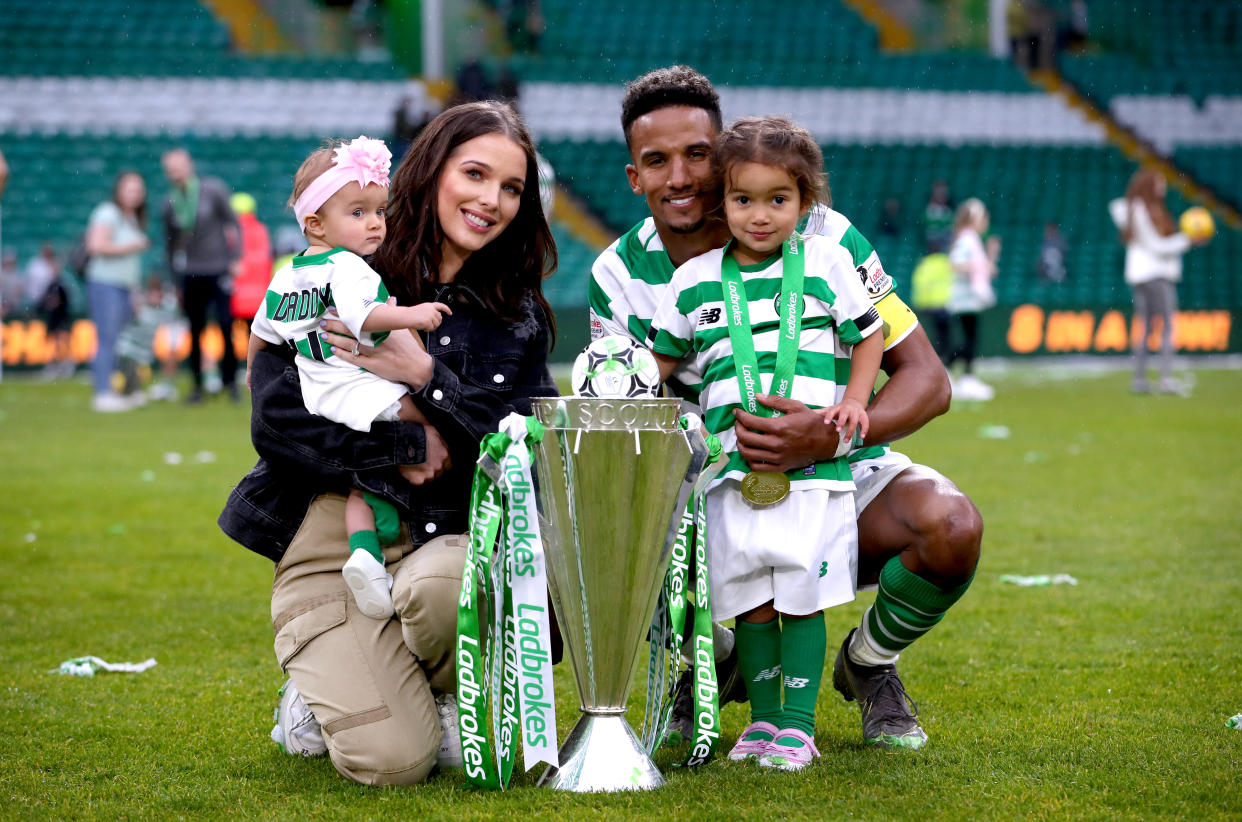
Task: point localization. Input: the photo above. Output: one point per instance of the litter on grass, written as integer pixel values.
(1234, 722)
(1038, 580)
(994, 432)
(205, 456)
(88, 665)
(172, 458)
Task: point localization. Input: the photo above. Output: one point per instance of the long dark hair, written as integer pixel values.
(1142, 187)
(505, 271)
(772, 141)
(140, 213)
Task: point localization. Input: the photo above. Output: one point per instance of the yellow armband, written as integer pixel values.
(898, 319)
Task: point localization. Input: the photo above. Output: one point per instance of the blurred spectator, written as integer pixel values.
(1154, 249)
(523, 23)
(473, 82)
(203, 246)
(1052, 251)
(53, 306)
(40, 272)
(974, 267)
(1032, 33)
(115, 239)
(254, 270)
(12, 289)
(408, 122)
(938, 218)
(4, 173)
(932, 283)
(890, 217)
(1073, 26)
(136, 346)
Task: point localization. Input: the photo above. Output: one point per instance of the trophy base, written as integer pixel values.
(602, 753)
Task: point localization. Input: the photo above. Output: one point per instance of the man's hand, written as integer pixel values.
(437, 463)
(794, 440)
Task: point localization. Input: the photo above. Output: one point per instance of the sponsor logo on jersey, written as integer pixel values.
(710, 316)
(874, 279)
(597, 327)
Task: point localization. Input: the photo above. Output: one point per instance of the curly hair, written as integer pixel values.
(773, 141)
(672, 86)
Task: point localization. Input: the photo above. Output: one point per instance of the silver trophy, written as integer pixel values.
(614, 476)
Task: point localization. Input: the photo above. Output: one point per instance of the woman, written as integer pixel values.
(465, 227)
(1154, 249)
(115, 240)
(974, 267)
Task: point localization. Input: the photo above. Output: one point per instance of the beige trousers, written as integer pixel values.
(369, 682)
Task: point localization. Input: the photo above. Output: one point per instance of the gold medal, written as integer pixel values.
(765, 487)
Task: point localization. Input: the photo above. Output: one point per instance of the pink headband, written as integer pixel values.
(360, 161)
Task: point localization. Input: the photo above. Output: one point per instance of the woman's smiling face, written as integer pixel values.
(480, 190)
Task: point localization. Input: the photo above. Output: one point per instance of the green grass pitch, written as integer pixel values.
(1105, 700)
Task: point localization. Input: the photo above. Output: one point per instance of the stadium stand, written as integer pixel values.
(91, 90)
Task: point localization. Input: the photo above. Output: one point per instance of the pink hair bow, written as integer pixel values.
(362, 161)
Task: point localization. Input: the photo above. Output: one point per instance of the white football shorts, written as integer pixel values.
(871, 476)
(801, 553)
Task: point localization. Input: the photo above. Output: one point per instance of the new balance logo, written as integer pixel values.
(768, 673)
(796, 682)
(710, 316)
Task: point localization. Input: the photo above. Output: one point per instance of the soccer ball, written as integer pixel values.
(615, 366)
(1197, 223)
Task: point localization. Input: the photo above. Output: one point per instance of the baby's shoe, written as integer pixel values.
(370, 583)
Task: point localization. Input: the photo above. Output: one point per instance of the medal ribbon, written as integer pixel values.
(737, 314)
(509, 577)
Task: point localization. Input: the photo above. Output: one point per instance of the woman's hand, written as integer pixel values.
(401, 358)
(437, 463)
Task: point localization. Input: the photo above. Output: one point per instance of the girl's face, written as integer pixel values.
(353, 218)
(762, 208)
(130, 192)
(480, 189)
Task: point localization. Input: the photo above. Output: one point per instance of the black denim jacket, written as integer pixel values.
(484, 369)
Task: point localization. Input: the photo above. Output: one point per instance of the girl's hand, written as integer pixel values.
(847, 416)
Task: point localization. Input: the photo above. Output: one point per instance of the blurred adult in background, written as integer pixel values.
(938, 218)
(115, 240)
(12, 288)
(1052, 251)
(1154, 249)
(39, 273)
(254, 269)
(203, 244)
(974, 267)
(4, 173)
(931, 283)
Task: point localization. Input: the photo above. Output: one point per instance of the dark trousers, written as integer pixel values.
(965, 351)
(199, 294)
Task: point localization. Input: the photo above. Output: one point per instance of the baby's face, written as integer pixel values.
(353, 218)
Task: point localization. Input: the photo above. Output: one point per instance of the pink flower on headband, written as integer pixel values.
(366, 159)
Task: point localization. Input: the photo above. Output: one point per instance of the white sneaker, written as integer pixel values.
(297, 731)
(109, 403)
(970, 387)
(370, 584)
(163, 391)
(449, 755)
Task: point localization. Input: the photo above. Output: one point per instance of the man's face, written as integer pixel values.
(177, 167)
(671, 150)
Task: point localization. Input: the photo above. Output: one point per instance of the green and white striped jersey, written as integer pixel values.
(629, 278)
(299, 294)
(691, 322)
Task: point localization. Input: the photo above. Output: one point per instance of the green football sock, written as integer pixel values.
(387, 520)
(366, 541)
(759, 660)
(804, 645)
(906, 607)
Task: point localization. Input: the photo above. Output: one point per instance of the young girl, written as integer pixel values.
(774, 312)
(974, 267)
(340, 194)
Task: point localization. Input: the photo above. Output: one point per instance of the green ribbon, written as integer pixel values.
(668, 623)
(185, 204)
(493, 688)
(737, 316)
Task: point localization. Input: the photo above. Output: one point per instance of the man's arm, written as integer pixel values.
(917, 391)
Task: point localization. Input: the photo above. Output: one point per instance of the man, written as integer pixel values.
(919, 535)
(203, 246)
